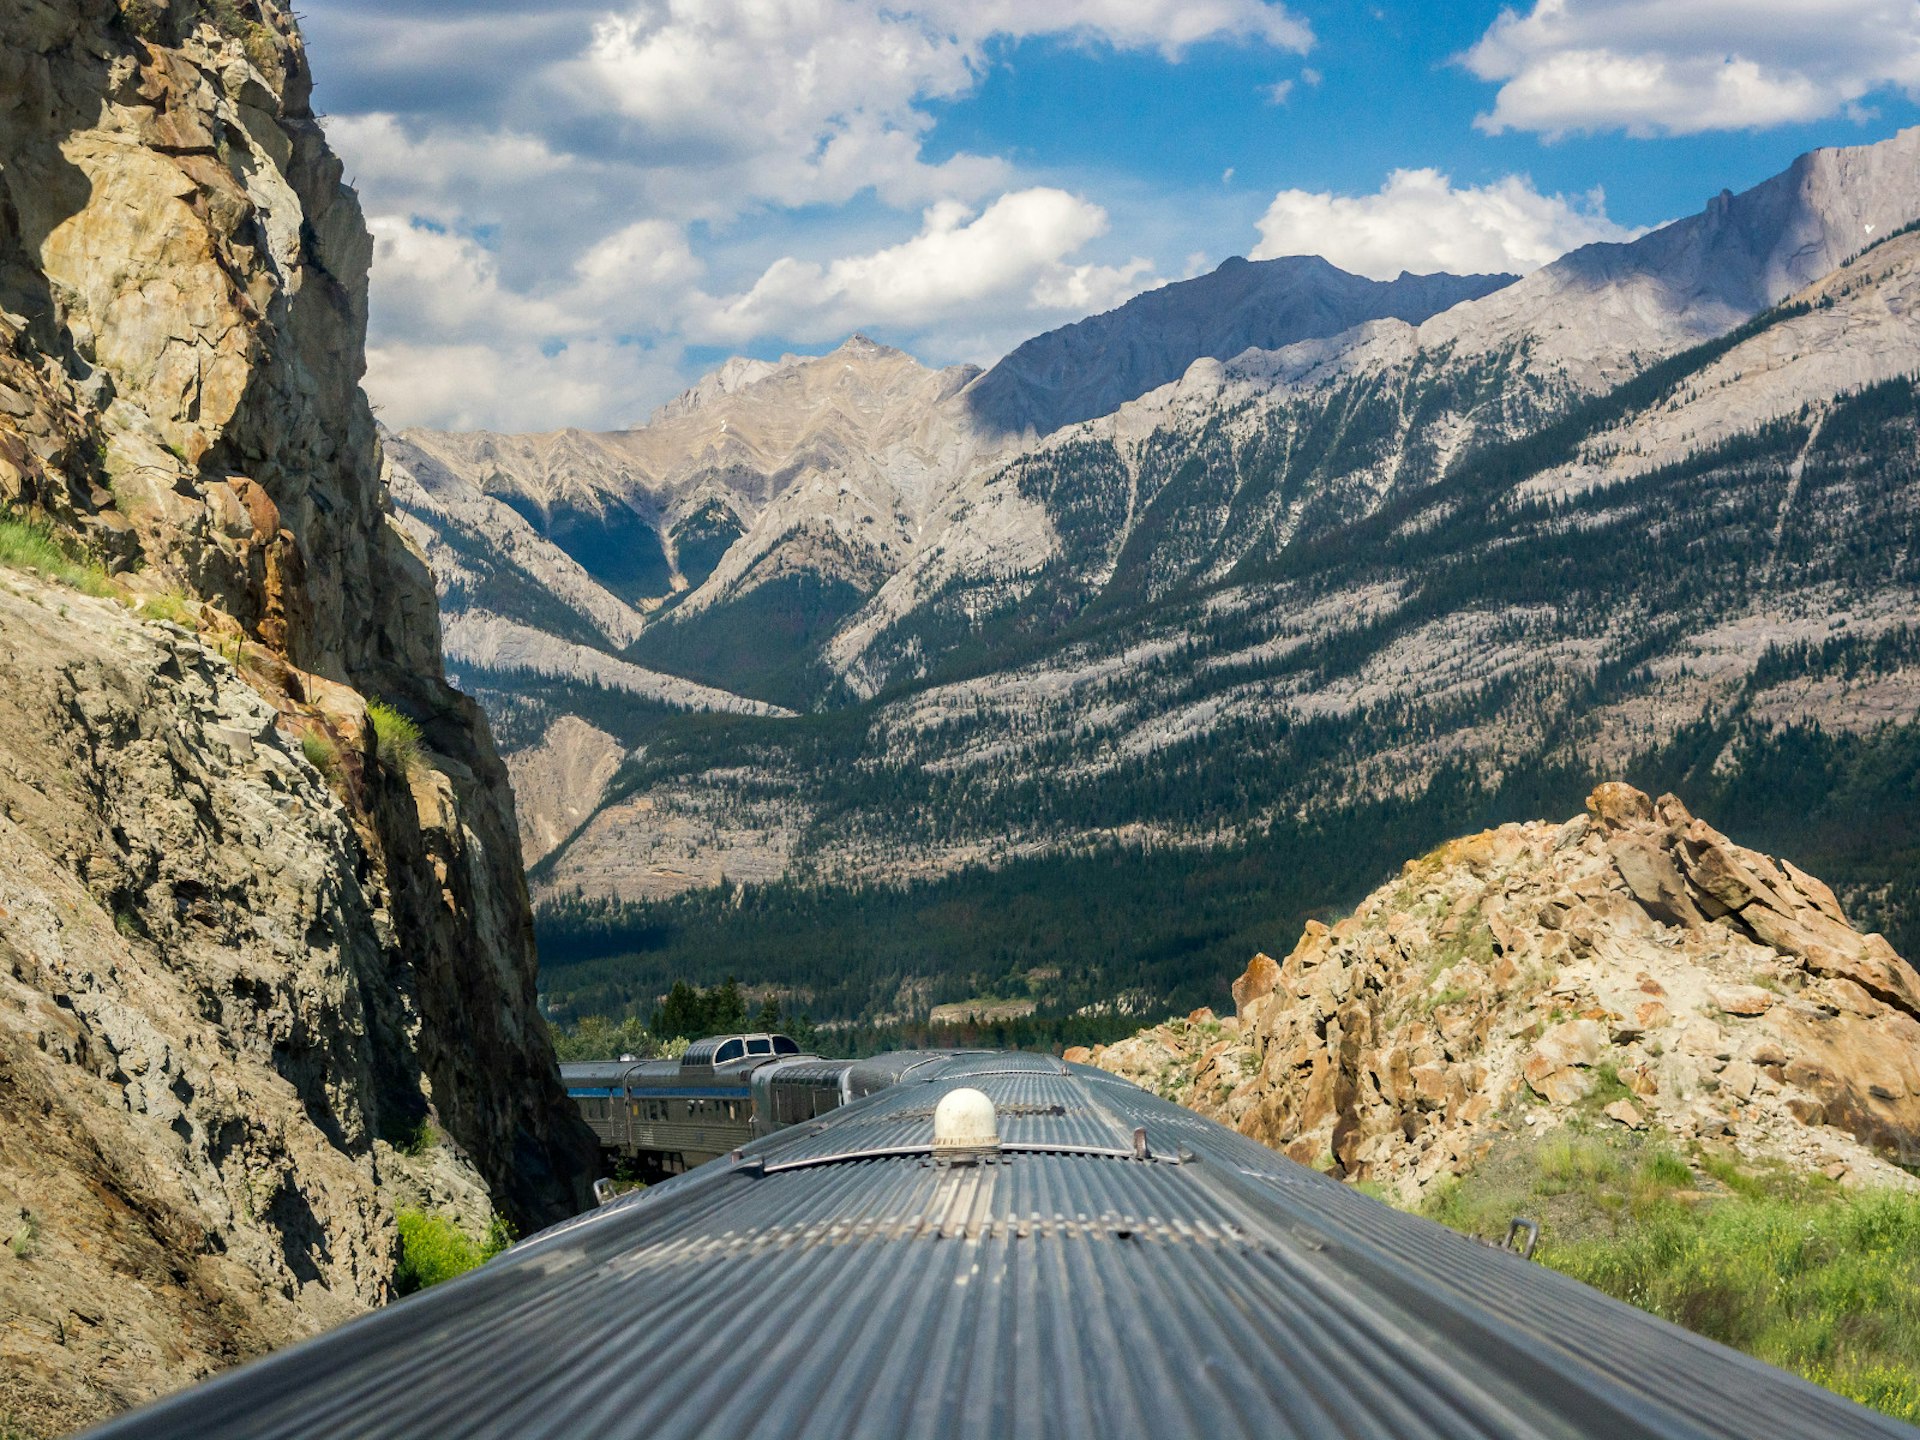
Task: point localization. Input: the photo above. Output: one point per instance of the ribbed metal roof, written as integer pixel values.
(816, 1287)
(579, 1074)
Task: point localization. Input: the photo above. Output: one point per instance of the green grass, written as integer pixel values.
(433, 1249)
(396, 738)
(1785, 1266)
(1826, 1286)
(30, 545)
(415, 1139)
(25, 1240)
(174, 605)
(322, 754)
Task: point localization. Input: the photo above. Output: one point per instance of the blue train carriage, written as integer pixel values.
(666, 1116)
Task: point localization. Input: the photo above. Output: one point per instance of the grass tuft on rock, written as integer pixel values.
(32, 545)
(397, 740)
(322, 754)
(174, 606)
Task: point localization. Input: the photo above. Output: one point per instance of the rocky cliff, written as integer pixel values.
(267, 952)
(1633, 962)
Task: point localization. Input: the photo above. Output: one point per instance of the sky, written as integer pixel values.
(581, 206)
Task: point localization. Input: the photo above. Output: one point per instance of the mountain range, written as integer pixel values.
(1220, 589)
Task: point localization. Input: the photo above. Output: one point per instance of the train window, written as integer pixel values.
(783, 1046)
(732, 1050)
(760, 1045)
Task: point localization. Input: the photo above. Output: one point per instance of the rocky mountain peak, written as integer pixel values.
(1601, 309)
(1094, 366)
(1633, 964)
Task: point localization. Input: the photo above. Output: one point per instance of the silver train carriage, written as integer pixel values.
(666, 1116)
(663, 1117)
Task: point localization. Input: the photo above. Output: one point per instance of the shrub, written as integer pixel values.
(396, 738)
(25, 1240)
(413, 1139)
(146, 19)
(432, 1249)
(597, 1037)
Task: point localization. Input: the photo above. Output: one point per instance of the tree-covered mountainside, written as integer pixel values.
(1128, 933)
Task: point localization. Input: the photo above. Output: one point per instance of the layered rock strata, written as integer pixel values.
(257, 941)
(1633, 962)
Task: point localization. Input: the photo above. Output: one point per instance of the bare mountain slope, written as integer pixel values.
(861, 433)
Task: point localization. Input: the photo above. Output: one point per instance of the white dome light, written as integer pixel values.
(964, 1126)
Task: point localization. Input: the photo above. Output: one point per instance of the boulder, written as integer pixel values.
(1262, 974)
(1745, 1000)
(1617, 805)
(1563, 1087)
(1623, 1112)
(1653, 878)
(1572, 1042)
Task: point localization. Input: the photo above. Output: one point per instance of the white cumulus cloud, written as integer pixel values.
(1420, 221)
(1015, 255)
(514, 384)
(612, 181)
(1653, 67)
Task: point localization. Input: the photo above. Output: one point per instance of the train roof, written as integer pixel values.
(1088, 1281)
(720, 1051)
(600, 1074)
(727, 1053)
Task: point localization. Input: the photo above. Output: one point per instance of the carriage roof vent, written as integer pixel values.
(965, 1127)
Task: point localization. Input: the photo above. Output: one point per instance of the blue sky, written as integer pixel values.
(580, 205)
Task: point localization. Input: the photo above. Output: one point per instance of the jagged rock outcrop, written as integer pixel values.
(245, 945)
(1633, 961)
